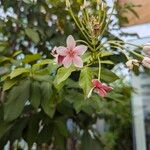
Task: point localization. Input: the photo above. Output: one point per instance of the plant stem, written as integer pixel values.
(71, 12)
(86, 44)
(105, 27)
(99, 72)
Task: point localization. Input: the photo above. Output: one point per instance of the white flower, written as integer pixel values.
(130, 63)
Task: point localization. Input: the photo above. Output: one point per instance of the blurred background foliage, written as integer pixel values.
(32, 111)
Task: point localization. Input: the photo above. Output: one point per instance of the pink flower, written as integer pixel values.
(71, 53)
(58, 58)
(101, 88)
(146, 62)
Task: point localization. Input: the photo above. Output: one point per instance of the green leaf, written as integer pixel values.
(59, 142)
(3, 46)
(17, 129)
(16, 100)
(62, 74)
(48, 99)
(18, 72)
(9, 84)
(33, 129)
(77, 99)
(33, 35)
(108, 76)
(4, 127)
(3, 59)
(42, 77)
(61, 127)
(35, 96)
(42, 62)
(31, 58)
(89, 143)
(85, 80)
(45, 134)
(17, 53)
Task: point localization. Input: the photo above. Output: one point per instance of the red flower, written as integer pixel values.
(101, 88)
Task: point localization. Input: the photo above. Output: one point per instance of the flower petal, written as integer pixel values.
(101, 92)
(80, 50)
(60, 59)
(77, 61)
(67, 61)
(106, 88)
(61, 50)
(146, 59)
(96, 83)
(146, 62)
(54, 51)
(71, 43)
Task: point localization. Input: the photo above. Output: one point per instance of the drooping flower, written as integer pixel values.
(146, 48)
(131, 63)
(58, 58)
(146, 62)
(71, 53)
(101, 88)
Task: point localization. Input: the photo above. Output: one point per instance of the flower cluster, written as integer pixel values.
(71, 55)
(145, 62)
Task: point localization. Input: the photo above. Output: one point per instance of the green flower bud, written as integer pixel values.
(68, 3)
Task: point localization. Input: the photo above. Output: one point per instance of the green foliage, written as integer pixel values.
(33, 35)
(18, 72)
(88, 143)
(35, 96)
(62, 74)
(48, 99)
(85, 80)
(39, 97)
(16, 98)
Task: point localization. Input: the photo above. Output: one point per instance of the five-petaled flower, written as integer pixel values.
(101, 88)
(70, 54)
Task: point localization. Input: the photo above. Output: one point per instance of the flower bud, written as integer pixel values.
(68, 3)
(146, 48)
(98, 2)
(146, 62)
(130, 64)
(85, 4)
